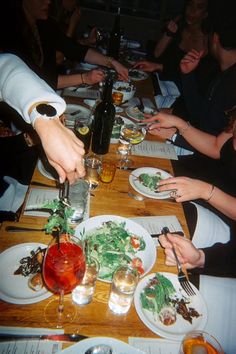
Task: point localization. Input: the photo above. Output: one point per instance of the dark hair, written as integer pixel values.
(222, 20)
(231, 127)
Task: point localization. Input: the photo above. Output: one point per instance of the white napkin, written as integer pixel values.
(169, 93)
(13, 196)
(220, 295)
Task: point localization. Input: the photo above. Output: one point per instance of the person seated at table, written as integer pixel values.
(68, 13)
(222, 172)
(180, 36)
(217, 260)
(27, 31)
(24, 91)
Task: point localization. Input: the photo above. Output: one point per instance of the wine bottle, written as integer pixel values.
(104, 117)
(114, 42)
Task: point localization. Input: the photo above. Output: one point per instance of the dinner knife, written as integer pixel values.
(21, 229)
(54, 337)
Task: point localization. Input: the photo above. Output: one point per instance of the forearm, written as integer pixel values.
(162, 44)
(223, 202)
(22, 89)
(94, 57)
(70, 80)
(203, 142)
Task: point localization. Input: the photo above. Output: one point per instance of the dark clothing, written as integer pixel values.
(220, 259)
(208, 113)
(36, 47)
(16, 37)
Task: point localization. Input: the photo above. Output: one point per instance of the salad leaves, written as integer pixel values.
(156, 295)
(150, 181)
(112, 246)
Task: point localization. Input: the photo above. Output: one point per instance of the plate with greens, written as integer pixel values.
(115, 241)
(165, 308)
(145, 181)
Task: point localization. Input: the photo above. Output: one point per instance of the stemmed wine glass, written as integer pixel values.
(63, 270)
(130, 134)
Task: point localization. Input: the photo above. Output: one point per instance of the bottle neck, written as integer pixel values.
(107, 93)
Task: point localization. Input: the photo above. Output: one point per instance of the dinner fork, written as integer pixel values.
(181, 276)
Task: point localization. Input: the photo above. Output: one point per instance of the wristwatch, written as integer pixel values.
(43, 110)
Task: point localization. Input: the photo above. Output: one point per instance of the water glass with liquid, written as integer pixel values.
(124, 282)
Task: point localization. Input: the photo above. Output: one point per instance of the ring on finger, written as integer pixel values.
(174, 194)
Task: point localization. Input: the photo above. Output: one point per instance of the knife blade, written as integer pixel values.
(21, 229)
(53, 337)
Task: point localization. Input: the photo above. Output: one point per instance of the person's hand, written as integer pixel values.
(64, 151)
(185, 188)
(172, 25)
(189, 256)
(93, 76)
(147, 66)
(190, 61)
(92, 38)
(122, 71)
(163, 124)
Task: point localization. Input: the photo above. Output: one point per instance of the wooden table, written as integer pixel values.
(95, 319)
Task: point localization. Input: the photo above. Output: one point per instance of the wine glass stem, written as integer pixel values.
(61, 305)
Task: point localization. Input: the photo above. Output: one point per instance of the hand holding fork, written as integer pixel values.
(181, 275)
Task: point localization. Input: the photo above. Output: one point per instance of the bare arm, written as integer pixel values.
(94, 57)
(203, 142)
(91, 77)
(162, 44)
(191, 189)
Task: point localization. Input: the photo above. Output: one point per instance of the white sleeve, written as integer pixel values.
(21, 88)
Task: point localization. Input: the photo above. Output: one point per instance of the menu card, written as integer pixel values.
(154, 224)
(155, 346)
(29, 346)
(155, 149)
(38, 197)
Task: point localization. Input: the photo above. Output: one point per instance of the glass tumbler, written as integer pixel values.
(196, 342)
(124, 282)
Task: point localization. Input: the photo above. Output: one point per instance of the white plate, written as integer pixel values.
(140, 188)
(70, 119)
(148, 255)
(14, 288)
(83, 87)
(141, 75)
(181, 326)
(118, 347)
(126, 121)
(43, 171)
(88, 66)
(135, 113)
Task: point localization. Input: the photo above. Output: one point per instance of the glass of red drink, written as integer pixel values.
(63, 270)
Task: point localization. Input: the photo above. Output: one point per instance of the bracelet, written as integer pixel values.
(211, 193)
(182, 131)
(109, 62)
(82, 79)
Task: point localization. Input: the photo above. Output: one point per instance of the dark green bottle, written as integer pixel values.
(104, 117)
(114, 42)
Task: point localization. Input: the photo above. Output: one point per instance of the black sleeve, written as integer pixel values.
(220, 260)
(69, 47)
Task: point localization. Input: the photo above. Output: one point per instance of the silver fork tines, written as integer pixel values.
(181, 276)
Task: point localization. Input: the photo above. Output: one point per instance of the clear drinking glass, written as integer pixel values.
(83, 293)
(92, 164)
(63, 270)
(200, 342)
(130, 134)
(124, 282)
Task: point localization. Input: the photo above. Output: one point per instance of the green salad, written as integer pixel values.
(157, 293)
(112, 245)
(150, 181)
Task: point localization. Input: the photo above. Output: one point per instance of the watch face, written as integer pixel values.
(46, 109)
